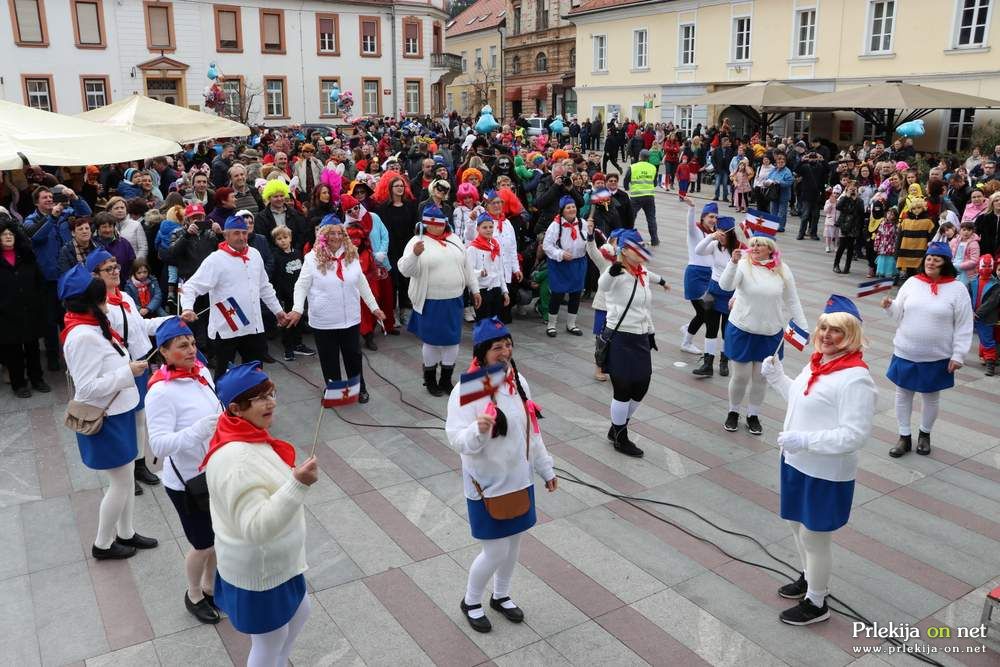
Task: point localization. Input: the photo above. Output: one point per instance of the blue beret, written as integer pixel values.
(624, 235)
(74, 282)
(491, 194)
(236, 222)
(330, 219)
(710, 207)
(841, 304)
(484, 217)
(487, 330)
(171, 329)
(96, 258)
(239, 379)
(725, 223)
(565, 201)
(940, 249)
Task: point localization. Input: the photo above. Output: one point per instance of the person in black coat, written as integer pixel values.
(852, 223)
(22, 309)
(547, 201)
(302, 231)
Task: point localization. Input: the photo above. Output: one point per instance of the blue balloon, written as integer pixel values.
(915, 128)
(213, 74)
(556, 126)
(335, 94)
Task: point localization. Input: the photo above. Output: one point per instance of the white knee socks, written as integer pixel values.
(928, 415)
(498, 558)
(739, 380)
(571, 320)
(439, 354)
(711, 346)
(272, 649)
(816, 551)
(116, 506)
(620, 412)
(632, 407)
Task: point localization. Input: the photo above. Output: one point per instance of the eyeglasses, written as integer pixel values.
(272, 397)
(110, 269)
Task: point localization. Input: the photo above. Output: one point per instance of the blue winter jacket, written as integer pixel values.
(49, 235)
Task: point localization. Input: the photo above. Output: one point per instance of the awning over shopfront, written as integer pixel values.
(540, 93)
(513, 94)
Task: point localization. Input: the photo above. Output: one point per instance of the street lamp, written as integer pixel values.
(502, 29)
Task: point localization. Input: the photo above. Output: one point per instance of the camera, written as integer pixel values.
(60, 197)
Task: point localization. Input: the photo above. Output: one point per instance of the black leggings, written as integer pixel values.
(613, 159)
(714, 323)
(555, 301)
(699, 316)
(629, 391)
(332, 344)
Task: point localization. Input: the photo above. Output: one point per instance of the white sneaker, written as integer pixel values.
(470, 314)
(686, 344)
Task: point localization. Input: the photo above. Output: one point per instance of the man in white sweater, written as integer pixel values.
(236, 282)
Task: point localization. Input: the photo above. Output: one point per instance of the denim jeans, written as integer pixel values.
(722, 180)
(810, 218)
(780, 209)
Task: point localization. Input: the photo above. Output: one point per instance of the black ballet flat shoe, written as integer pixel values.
(481, 624)
(116, 551)
(514, 615)
(795, 590)
(203, 610)
(209, 597)
(139, 541)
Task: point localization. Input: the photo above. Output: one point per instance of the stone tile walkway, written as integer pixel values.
(602, 582)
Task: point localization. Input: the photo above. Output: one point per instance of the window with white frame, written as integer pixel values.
(369, 96)
(327, 107)
(685, 119)
(973, 18)
(274, 94)
(600, 53)
(800, 124)
(805, 28)
(493, 57)
(741, 38)
(232, 88)
(465, 61)
(640, 49)
(412, 97)
(882, 20)
(95, 92)
(38, 94)
(686, 41)
(327, 30)
(479, 59)
(960, 122)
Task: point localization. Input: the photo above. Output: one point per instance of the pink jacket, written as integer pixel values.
(970, 259)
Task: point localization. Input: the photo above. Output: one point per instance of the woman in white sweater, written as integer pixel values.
(103, 377)
(831, 405)
(765, 300)
(434, 261)
(256, 499)
(565, 246)
(181, 413)
(334, 284)
(719, 245)
(129, 228)
(628, 331)
(501, 447)
(934, 317)
(698, 271)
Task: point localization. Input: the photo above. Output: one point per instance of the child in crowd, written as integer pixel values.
(467, 212)
(164, 235)
(145, 291)
(831, 233)
(742, 179)
(885, 240)
(483, 257)
(965, 252)
(287, 266)
(985, 292)
(684, 171)
(656, 159)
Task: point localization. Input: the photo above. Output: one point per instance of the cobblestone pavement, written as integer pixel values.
(601, 582)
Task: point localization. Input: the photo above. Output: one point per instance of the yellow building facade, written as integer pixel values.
(644, 59)
(473, 35)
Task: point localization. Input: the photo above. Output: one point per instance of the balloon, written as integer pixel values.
(915, 128)
(486, 123)
(556, 126)
(335, 94)
(212, 72)
(432, 147)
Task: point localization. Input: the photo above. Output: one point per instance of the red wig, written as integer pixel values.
(383, 190)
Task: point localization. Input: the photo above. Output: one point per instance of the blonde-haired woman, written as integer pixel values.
(765, 300)
(334, 285)
(831, 405)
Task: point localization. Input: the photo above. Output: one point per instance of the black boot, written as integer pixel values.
(991, 368)
(923, 443)
(723, 365)
(370, 342)
(706, 369)
(144, 474)
(903, 446)
(430, 380)
(444, 384)
(623, 444)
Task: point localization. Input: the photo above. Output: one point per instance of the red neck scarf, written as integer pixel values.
(705, 230)
(440, 239)
(510, 382)
(491, 246)
(72, 320)
(236, 429)
(934, 283)
(571, 226)
(166, 373)
(499, 222)
(769, 264)
(142, 289)
(115, 299)
(850, 360)
(639, 273)
(243, 254)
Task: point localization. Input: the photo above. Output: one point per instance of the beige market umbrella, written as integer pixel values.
(142, 114)
(32, 136)
(763, 102)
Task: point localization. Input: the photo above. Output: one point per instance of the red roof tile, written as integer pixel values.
(484, 14)
(597, 5)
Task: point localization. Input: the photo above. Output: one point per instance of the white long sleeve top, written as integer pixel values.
(333, 303)
(463, 221)
(439, 272)
(837, 417)
(257, 516)
(98, 371)
(500, 464)
(695, 235)
(132, 231)
(556, 232)
(765, 301)
(489, 272)
(597, 256)
(180, 418)
(617, 290)
(504, 233)
(139, 328)
(222, 276)
(709, 247)
(931, 327)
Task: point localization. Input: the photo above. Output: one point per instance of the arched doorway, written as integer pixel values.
(741, 125)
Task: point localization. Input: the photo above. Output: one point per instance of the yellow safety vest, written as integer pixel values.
(641, 180)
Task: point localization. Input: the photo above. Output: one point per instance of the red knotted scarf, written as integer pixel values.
(934, 282)
(115, 299)
(166, 373)
(242, 254)
(572, 227)
(72, 320)
(491, 246)
(639, 273)
(236, 429)
(850, 360)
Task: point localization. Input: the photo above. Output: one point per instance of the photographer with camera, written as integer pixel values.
(550, 191)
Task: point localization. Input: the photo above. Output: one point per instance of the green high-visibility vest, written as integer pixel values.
(641, 180)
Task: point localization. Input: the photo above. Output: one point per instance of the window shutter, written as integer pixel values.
(326, 26)
(227, 30)
(159, 27)
(29, 20)
(272, 31)
(89, 23)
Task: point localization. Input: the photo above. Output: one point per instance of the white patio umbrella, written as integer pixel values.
(145, 115)
(43, 138)
(762, 102)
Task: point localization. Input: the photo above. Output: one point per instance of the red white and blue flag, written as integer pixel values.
(874, 286)
(481, 383)
(234, 315)
(796, 336)
(761, 223)
(342, 392)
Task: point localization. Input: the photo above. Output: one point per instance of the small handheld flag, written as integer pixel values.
(232, 313)
(342, 392)
(796, 336)
(759, 223)
(481, 383)
(874, 286)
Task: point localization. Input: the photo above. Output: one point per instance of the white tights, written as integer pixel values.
(272, 649)
(199, 565)
(904, 408)
(742, 375)
(497, 560)
(116, 506)
(816, 554)
(445, 355)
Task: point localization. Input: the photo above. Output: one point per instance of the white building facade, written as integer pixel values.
(278, 59)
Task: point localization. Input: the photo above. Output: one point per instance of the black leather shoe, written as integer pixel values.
(481, 624)
(923, 443)
(139, 541)
(144, 474)
(23, 392)
(41, 386)
(138, 489)
(116, 551)
(209, 597)
(363, 397)
(514, 615)
(370, 343)
(723, 365)
(903, 446)
(203, 610)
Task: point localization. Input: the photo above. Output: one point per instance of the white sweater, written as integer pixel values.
(617, 290)
(464, 222)
(257, 516)
(765, 301)
(498, 464)
(709, 247)
(602, 263)
(556, 231)
(222, 276)
(508, 249)
(837, 414)
(98, 371)
(694, 237)
(931, 328)
(133, 232)
(333, 303)
(489, 272)
(180, 419)
(139, 328)
(439, 272)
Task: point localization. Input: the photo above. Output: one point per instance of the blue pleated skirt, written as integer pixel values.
(744, 347)
(921, 376)
(818, 504)
(600, 319)
(567, 277)
(257, 612)
(485, 527)
(696, 279)
(113, 446)
(440, 323)
(142, 384)
(629, 357)
(721, 297)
